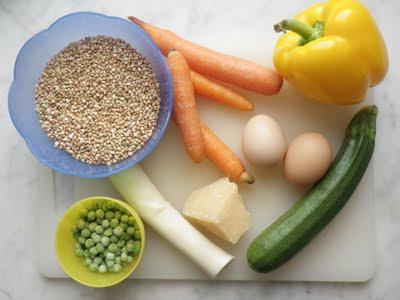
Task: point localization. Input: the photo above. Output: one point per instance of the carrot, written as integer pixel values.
(215, 91)
(184, 114)
(224, 158)
(240, 72)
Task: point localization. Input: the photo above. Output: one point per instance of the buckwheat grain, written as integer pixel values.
(98, 99)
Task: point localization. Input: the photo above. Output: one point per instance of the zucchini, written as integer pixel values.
(294, 229)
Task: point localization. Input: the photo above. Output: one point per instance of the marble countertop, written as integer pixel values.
(19, 19)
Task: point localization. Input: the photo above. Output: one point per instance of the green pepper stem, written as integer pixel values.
(307, 32)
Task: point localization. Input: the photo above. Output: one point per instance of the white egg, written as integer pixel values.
(263, 142)
(307, 159)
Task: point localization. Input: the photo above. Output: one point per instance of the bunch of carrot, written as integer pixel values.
(192, 67)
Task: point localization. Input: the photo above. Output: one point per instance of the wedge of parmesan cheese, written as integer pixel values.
(218, 209)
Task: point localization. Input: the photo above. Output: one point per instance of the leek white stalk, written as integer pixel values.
(141, 194)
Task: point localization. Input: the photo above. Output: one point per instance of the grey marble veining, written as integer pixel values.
(19, 278)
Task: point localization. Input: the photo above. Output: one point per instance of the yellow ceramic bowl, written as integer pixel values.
(65, 247)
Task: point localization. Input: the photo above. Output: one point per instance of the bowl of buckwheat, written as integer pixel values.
(91, 96)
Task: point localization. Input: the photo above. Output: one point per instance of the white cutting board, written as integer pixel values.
(344, 251)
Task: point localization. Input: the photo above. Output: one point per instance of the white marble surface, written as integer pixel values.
(19, 278)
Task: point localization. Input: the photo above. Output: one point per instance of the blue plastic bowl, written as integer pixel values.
(31, 62)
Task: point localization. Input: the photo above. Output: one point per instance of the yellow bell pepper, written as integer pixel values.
(332, 52)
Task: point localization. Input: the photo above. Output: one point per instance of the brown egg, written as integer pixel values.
(307, 159)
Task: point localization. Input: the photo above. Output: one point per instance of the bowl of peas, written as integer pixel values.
(99, 241)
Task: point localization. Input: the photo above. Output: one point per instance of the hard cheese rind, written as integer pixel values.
(218, 208)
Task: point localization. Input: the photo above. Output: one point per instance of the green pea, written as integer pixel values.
(93, 267)
(117, 215)
(91, 216)
(102, 268)
(105, 224)
(129, 259)
(116, 268)
(114, 239)
(81, 224)
(92, 226)
(85, 233)
(112, 248)
(81, 240)
(86, 253)
(124, 226)
(97, 260)
(136, 247)
(79, 252)
(93, 251)
(123, 236)
(100, 248)
(78, 246)
(100, 213)
(137, 235)
(99, 229)
(121, 243)
(97, 238)
(109, 263)
(117, 260)
(114, 223)
(124, 256)
(130, 231)
(124, 219)
(118, 231)
(105, 241)
(118, 252)
(108, 232)
(88, 261)
(131, 220)
(89, 243)
(109, 215)
(110, 256)
(129, 247)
